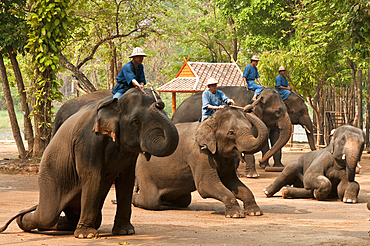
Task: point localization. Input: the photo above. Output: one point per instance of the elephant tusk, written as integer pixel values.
(243, 155)
(343, 156)
(308, 131)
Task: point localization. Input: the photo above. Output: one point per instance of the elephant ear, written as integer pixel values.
(107, 119)
(205, 135)
(258, 107)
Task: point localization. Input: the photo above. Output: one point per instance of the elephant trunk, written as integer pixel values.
(252, 144)
(160, 137)
(285, 131)
(306, 123)
(351, 157)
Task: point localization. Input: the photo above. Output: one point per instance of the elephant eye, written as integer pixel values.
(136, 122)
(231, 133)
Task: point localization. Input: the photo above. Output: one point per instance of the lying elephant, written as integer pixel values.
(205, 161)
(329, 172)
(93, 148)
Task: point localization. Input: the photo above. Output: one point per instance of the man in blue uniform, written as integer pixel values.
(212, 99)
(250, 75)
(282, 85)
(131, 75)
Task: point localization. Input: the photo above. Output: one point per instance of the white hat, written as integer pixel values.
(137, 52)
(255, 58)
(211, 81)
(281, 68)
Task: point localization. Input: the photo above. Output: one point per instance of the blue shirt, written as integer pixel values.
(282, 81)
(126, 75)
(250, 73)
(212, 99)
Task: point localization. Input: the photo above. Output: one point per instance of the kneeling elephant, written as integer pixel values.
(93, 148)
(204, 161)
(329, 172)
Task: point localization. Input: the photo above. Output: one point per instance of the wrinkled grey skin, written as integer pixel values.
(298, 113)
(227, 135)
(329, 172)
(73, 105)
(270, 108)
(93, 148)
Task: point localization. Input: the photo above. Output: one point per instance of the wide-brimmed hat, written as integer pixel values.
(281, 68)
(255, 58)
(137, 52)
(211, 81)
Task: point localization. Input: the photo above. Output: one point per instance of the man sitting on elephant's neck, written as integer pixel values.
(282, 85)
(131, 75)
(212, 99)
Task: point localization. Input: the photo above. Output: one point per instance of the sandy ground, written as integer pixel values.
(284, 222)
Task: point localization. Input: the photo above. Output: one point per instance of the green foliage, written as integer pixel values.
(49, 28)
(13, 27)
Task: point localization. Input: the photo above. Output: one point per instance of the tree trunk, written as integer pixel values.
(368, 108)
(10, 107)
(82, 79)
(23, 98)
(42, 116)
(359, 99)
(234, 40)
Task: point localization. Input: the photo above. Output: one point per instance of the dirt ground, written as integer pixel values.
(284, 221)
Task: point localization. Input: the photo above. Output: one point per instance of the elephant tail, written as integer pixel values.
(23, 212)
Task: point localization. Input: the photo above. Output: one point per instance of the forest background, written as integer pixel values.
(44, 44)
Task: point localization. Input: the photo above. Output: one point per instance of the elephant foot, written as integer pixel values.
(264, 165)
(233, 212)
(351, 193)
(251, 173)
(253, 210)
(125, 229)
(278, 165)
(285, 193)
(22, 223)
(88, 232)
(268, 192)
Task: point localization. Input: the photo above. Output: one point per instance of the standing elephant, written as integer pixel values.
(269, 107)
(93, 148)
(205, 161)
(329, 172)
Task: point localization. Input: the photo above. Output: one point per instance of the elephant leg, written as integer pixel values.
(264, 151)
(320, 185)
(274, 136)
(348, 191)
(290, 175)
(250, 167)
(182, 201)
(209, 185)
(51, 204)
(147, 197)
(243, 193)
(294, 192)
(124, 188)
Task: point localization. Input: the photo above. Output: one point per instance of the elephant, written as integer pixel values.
(269, 107)
(204, 161)
(329, 172)
(73, 105)
(93, 148)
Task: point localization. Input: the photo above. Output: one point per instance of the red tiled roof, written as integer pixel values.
(227, 74)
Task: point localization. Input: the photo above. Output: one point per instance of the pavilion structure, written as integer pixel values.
(193, 77)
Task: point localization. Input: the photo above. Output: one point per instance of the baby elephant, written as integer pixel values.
(324, 173)
(205, 161)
